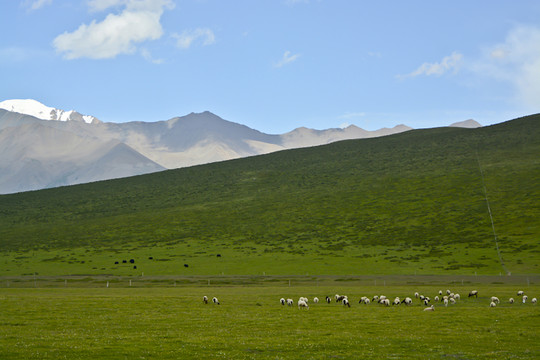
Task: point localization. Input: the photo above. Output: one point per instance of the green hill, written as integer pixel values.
(402, 204)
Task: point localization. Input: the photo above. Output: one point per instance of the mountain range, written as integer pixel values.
(44, 147)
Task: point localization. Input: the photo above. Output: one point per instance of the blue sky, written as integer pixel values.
(275, 65)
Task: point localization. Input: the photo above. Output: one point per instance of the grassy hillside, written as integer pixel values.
(408, 203)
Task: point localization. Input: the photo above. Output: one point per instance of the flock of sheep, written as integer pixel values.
(445, 299)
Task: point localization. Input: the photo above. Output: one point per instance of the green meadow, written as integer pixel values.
(173, 323)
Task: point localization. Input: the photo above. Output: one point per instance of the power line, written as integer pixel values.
(491, 216)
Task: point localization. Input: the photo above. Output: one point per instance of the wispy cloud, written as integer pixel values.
(515, 61)
(36, 4)
(187, 37)
(118, 33)
(287, 58)
(148, 57)
(448, 63)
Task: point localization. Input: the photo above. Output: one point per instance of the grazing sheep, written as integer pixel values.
(426, 301)
(205, 299)
(407, 301)
(440, 292)
(340, 298)
(511, 300)
(448, 292)
(385, 302)
(457, 296)
(492, 304)
(533, 300)
(328, 300)
(495, 299)
(436, 299)
(431, 308)
(303, 304)
(375, 298)
(416, 295)
(303, 299)
(445, 301)
(520, 293)
(422, 297)
(215, 300)
(316, 300)
(452, 301)
(525, 297)
(397, 301)
(474, 293)
(346, 302)
(290, 302)
(282, 301)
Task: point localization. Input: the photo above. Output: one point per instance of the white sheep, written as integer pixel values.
(282, 301)
(492, 304)
(473, 293)
(407, 301)
(448, 292)
(495, 299)
(457, 296)
(416, 295)
(290, 302)
(346, 302)
(440, 292)
(520, 293)
(436, 298)
(304, 299)
(533, 300)
(315, 300)
(511, 300)
(431, 308)
(302, 304)
(525, 297)
(215, 300)
(445, 301)
(452, 301)
(328, 300)
(397, 301)
(385, 302)
(205, 299)
(366, 301)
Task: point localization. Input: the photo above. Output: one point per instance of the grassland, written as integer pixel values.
(173, 323)
(412, 203)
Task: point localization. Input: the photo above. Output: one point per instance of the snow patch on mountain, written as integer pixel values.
(35, 108)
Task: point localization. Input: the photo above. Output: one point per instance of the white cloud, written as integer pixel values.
(118, 33)
(100, 5)
(515, 61)
(286, 59)
(37, 4)
(187, 37)
(148, 57)
(448, 63)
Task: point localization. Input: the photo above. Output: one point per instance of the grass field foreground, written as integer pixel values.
(173, 323)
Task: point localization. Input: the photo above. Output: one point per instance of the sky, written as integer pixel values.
(275, 65)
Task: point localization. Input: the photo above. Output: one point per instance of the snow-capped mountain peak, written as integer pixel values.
(40, 111)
